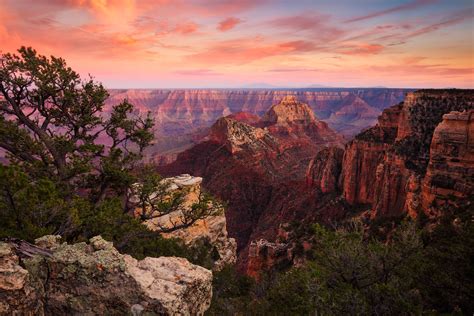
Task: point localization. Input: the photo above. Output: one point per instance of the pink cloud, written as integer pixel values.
(228, 24)
(186, 28)
(319, 26)
(198, 72)
(225, 6)
(246, 50)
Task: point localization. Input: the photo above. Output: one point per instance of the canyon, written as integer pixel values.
(183, 117)
(259, 169)
(277, 170)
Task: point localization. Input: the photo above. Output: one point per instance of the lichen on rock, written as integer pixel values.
(95, 279)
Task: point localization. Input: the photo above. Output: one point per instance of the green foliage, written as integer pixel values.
(71, 166)
(128, 234)
(30, 209)
(367, 276)
(353, 274)
(231, 292)
(51, 123)
(446, 274)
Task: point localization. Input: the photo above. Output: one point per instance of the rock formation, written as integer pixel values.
(290, 120)
(95, 279)
(183, 116)
(237, 136)
(280, 173)
(209, 231)
(450, 172)
(405, 163)
(324, 170)
(263, 255)
(260, 170)
(20, 294)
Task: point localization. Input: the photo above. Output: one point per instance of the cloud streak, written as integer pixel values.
(404, 7)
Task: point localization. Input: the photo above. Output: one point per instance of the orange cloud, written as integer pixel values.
(228, 24)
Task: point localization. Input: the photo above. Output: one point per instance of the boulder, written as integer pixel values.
(95, 279)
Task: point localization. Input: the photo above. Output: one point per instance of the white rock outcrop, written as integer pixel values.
(211, 230)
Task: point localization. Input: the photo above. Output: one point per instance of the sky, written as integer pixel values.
(251, 43)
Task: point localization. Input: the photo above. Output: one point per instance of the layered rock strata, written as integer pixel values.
(418, 154)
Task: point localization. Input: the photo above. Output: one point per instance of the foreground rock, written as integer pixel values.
(95, 279)
(210, 231)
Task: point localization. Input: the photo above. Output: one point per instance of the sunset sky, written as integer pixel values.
(222, 43)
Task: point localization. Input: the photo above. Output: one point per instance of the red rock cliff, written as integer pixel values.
(324, 169)
(451, 168)
(402, 164)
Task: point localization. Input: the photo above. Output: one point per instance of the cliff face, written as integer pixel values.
(181, 116)
(95, 279)
(397, 165)
(363, 155)
(450, 171)
(324, 170)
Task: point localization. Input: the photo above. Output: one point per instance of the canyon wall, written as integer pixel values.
(420, 153)
(275, 171)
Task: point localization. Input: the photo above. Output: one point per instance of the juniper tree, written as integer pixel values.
(59, 138)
